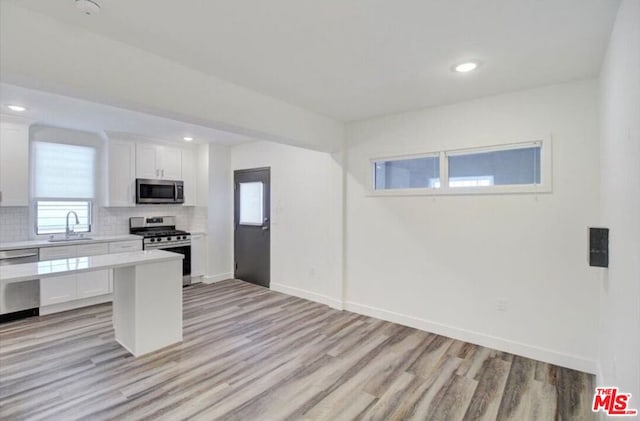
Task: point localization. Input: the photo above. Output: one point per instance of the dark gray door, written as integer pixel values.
(252, 222)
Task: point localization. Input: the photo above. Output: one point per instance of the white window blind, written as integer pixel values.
(63, 171)
(63, 181)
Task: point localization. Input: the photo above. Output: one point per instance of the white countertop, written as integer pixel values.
(48, 268)
(45, 243)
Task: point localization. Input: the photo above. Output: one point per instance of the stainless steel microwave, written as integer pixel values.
(150, 191)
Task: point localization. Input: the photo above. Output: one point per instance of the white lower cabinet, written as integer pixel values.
(70, 288)
(91, 284)
(198, 254)
(58, 290)
(125, 246)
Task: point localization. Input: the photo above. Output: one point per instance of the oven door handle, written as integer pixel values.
(167, 245)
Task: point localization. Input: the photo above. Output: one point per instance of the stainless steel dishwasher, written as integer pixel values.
(19, 299)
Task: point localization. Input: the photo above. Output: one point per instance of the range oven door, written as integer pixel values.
(185, 250)
(150, 191)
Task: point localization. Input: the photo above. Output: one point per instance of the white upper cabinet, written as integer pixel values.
(147, 161)
(158, 162)
(170, 163)
(14, 164)
(121, 167)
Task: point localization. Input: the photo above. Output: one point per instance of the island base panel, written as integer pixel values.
(147, 306)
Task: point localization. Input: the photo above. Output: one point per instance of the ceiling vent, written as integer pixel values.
(88, 7)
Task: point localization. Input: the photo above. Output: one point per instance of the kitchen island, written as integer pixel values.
(147, 293)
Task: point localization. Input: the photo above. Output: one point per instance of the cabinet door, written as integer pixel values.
(93, 283)
(60, 252)
(58, 289)
(122, 173)
(147, 161)
(14, 164)
(170, 163)
(189, 169)
(198, 254)
(125, 246)
(92, 249)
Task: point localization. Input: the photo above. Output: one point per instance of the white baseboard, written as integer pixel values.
(307, 295)
(210, 279)
(70, 305)
(575, 362)
(526, 350)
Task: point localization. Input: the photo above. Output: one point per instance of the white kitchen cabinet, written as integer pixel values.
(59, 252)
(198, 254)
(14, 164)
(92, 284)
(171, 163)
(158, 162)
(202, 176)
(62, 289)
(58, 289)
(189, 170)
(94, 249)
(121, 176)
(125, 246)
(146, 161)
(95, 283)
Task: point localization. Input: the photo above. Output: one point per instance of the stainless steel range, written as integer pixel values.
(160, 232)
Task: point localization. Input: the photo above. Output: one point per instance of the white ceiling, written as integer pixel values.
(353, 59)
(61, 111)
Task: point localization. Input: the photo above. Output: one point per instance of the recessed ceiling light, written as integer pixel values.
(18, 108)
(88, 7)
(187, 138)
(466, 67)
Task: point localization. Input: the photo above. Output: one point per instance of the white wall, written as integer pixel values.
(620, 151)
(85, 65)
(441, 263)
(220, 217)
(306, 208)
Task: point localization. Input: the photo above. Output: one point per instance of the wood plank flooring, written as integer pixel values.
(253, 354)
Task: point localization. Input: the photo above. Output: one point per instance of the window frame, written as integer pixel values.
(373, 161)
(35, 215)
(63, 138)
(545, 185)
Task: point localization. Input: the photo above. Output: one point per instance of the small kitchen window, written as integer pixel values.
(515, 165)
(407, 173)
(63, 181)
(51, 216)
(509, 168)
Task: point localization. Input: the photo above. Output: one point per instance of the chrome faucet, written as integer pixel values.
(71, 232)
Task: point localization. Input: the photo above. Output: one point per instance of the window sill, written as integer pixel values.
(463, 191)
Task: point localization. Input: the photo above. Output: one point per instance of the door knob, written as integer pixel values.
(265, 228)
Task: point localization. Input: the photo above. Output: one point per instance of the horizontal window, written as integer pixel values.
(51, 216)
(409, 173)
(495, 168)
(513, 168)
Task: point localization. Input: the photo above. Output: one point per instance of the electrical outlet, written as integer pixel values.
(502, 304)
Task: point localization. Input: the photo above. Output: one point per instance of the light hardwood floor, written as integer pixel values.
(253, 354)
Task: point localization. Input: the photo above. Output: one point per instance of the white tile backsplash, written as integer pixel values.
(14, 224)
(14, 221)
